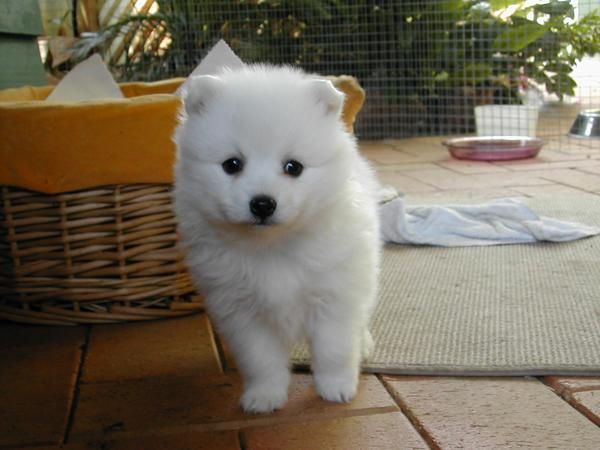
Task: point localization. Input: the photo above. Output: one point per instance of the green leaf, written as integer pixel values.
(442, 76)
(503, 80)
(566, 84)
(451, 6)
(561, 85)
(556, 8)
(472, 74)
(558, 67)
(517, 38)
(478, 72)
(501, 4)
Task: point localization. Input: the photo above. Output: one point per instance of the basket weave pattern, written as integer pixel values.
(100, 255)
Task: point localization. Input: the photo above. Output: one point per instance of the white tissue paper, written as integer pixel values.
(219, 57)
(88, 80)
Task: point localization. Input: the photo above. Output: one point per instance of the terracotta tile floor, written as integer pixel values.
(162, 385)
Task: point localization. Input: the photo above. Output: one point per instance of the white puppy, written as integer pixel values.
(278, 215)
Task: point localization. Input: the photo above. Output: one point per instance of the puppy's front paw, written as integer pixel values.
(339, 388)
(263, 399)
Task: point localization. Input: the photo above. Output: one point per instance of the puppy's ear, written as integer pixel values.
(200, 90)
(327, 94)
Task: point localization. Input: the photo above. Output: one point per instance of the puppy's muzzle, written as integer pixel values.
(262, 207)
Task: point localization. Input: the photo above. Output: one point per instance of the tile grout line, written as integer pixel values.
(577, 390)
(566, 395)
(561, 183)
(75, 394)
(217, 347)
(458, 172)
(414, 178)
(240, 425)
(417, 425)
(242, 440)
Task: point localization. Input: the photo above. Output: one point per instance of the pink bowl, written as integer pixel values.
(494, 148)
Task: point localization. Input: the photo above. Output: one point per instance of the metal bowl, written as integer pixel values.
(494, 148)
(586, 125)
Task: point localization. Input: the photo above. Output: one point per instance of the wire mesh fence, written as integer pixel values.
(425, 65)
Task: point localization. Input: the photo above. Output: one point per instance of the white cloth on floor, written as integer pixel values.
(504, 221)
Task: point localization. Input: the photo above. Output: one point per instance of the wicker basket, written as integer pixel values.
(87, 232)
(99, 255)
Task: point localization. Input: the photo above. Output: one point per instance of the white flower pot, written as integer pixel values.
(506, 120)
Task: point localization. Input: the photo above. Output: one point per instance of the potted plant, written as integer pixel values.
(455, 55)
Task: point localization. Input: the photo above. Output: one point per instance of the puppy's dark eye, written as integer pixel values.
(293, 168)
(232, 166)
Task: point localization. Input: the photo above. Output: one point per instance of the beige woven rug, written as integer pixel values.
(502, 310)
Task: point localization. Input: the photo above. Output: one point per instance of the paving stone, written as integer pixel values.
(191, 440)
(588, 402)
(448, 180)
(465, 195)
(592, 168)
(581, 392)
(546, 156)
(366, 145)
(565, 147)
(549, 189)
(426, 155)
(493, 413)
(174, 347)
(373, 432)
(38, 371)
(384, 154)
(445, 179)
(135, 407)
(405, 167)
(229, 364)
(510, 179)
(404, 183)
(573, 384)
(575, 178)
(471, 167)
(580, 163)
(209, 440)
(421, 150)
(117, 409)
(423, 143)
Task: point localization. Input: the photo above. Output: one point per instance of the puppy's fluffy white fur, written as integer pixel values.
(308, 271)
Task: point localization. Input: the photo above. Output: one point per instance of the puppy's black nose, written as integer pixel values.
(262, 206)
